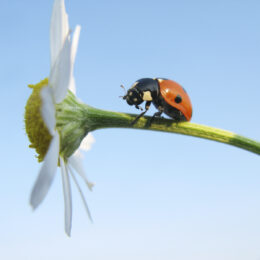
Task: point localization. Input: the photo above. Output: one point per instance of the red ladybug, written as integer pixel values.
(167, 96)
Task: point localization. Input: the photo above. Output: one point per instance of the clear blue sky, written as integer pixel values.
(157, 195)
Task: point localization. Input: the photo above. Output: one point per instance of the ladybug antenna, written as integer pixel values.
(123, 97)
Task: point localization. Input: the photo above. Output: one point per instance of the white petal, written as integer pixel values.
(61, 72)
(76, 162)
(75, 42)
(81, 193)
(46, 173)
(67, 196)
(59, 29)
(74, 47)
(72, 85)
(48, 109)
(87, 142)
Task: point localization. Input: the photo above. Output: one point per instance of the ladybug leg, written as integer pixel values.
(157, 114)
(147, 106)
(138, 107)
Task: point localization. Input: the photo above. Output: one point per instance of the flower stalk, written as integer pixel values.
(106, 119)
(90, 119)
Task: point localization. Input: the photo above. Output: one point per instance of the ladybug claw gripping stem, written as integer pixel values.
(138, 107)
(157, 114)
(138, 117)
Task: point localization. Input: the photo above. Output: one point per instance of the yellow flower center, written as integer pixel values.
(36, 129)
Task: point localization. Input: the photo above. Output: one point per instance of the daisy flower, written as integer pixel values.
(52, 130)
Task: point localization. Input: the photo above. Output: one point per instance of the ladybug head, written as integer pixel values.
(133, 97)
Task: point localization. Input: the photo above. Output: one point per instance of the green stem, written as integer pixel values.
(75, 119)
(98, 119)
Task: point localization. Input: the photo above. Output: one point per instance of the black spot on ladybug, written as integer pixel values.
(178, 99)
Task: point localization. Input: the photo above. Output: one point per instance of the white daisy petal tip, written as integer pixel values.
(90, 185)
(81, 193)
(75, 161)
(33, 204)
(46, 174)
(59, 28)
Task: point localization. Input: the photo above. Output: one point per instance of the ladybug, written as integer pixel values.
(167, 96)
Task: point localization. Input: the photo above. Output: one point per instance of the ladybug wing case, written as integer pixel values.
(175, 95)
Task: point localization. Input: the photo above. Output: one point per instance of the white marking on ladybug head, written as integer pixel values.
(160, 80)
(147, 96)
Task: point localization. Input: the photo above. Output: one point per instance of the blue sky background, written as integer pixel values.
(157, 195)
